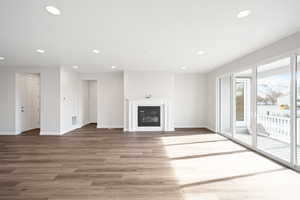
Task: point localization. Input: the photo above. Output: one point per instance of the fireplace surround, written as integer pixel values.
(149, 115)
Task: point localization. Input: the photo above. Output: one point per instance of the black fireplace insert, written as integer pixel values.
(149, 116)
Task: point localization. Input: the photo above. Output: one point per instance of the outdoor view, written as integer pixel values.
(240, 100)
(273, 108)
(242, 106)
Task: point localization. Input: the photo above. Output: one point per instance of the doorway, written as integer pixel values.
(89, 103)
(242, 129)
(28, 104)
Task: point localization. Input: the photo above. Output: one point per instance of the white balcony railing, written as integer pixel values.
(274, 126)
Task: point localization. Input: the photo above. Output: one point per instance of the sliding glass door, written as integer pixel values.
(273, 108)
(242, 106)
(260, 107)
(225, 100)
(297, 135)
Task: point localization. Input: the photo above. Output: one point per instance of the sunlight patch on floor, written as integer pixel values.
(197, 145)
(202, 196)
(199, 163)
(183, 139)
(198, 170)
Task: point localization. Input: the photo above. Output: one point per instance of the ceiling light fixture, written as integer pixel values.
(243, 14)
(183, 68)
(2, 58)
(96, 51)
(53, 10)
(75, 67)
(113, 67)
(200, 53)
(40, 51)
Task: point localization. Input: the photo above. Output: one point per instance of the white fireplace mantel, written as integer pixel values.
(166, 109)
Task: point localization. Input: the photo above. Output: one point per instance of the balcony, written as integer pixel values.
(273, 135)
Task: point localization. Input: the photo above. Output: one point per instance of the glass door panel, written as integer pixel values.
(298, 113)
(273, 108)
(242, 110)
(225, 105)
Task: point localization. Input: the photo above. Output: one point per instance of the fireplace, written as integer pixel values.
(149, 116)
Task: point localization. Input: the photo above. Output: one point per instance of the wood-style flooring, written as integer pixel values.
(33, 132)
(96, 164)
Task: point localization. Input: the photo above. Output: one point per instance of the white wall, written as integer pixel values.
(69, 99)
(187, 92)
(190, 100)
(110, 98)
(50, 99)
(138, 84)
(93, 93)
(64, 95)
(7, 102)
(50, 103)
(276, 49)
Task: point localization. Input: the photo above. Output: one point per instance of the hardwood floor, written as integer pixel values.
(94, 164)
(33, 132)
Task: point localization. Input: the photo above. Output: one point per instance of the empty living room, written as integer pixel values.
(149, 100)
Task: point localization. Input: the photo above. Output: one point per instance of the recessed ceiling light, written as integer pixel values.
(53, 10)
(96, 51)
(2, 58)
(75, 67)
(243, 14)
(183, 67)
(200, 53)
(113, 67)
(40, 51)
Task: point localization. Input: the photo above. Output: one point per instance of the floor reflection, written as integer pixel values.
(209, 167)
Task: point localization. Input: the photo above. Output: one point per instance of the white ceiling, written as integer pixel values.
(140, 34)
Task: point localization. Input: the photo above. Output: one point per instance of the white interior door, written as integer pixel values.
(33, 100)
(20, 103)
(27, 102)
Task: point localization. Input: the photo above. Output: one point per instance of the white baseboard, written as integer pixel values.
(18, 132)
(58, 133)
(81, 125)
(70, 129)
(8, 133)
(110, 126)
(203, 126)
(191, 126)
(50, 133)
(84, 124)
(211, 129)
